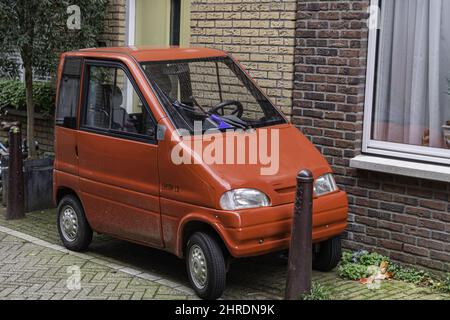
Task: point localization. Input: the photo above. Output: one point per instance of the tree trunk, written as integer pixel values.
(30, 107)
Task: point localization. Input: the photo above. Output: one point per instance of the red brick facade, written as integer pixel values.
(407, 219)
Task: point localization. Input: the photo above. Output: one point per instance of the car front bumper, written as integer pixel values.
(266, 230)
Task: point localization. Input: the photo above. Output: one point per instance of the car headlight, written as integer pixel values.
(324, 185)
(243, 199)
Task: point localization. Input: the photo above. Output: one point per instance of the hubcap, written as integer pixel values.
(197, 266)
(69, 224)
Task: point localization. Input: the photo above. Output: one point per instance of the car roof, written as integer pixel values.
(142, 54)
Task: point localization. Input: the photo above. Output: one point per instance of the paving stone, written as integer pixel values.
(33, 265)
(41, 273)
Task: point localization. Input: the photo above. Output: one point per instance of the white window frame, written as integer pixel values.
(130, 41)
(383, 148)
(131, 22)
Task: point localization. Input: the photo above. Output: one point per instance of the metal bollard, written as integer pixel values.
(299, 274)
(16, 198)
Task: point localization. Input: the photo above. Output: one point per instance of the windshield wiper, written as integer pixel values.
(181, 105)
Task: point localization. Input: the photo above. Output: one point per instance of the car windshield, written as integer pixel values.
(213, 93)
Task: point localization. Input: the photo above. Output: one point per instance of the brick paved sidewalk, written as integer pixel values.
(114, 269)
(32, 271)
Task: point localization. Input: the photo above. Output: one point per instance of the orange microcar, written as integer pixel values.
(179, 149)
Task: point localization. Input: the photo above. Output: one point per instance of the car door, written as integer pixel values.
(117, 151)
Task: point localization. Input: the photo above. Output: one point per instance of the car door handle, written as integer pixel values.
(76, 151)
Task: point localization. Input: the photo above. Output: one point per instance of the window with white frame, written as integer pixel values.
(407, 110)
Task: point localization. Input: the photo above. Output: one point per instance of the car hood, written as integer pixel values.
(274, 174)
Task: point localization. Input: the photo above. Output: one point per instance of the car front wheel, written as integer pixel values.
(328, 255)
(73, 228)
(206, 266)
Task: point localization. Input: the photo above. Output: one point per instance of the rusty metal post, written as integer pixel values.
(16, 199)
(299, 274)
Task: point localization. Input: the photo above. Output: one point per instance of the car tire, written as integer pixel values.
(73, 227)
(328, 256)
(206, 267)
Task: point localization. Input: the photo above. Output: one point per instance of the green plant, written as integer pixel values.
(8, 69)
(353, 271)
(408, 274)
(38, 31)
(368, 259)
(318, 292)
(355, 266)
(446, 287)
(347, 257)
(12, 94)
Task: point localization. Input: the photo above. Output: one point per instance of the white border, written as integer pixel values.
(382, 148)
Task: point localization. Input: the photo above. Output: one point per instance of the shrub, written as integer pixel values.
(409, 274)
(12, 94)
(355, 266)
(372, 259)
(347, 257)
(364, 258)
(353, 271)
(318, 292)
(447, 283)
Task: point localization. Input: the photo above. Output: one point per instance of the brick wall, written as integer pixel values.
(407, 219)
(115, 24)
(259, 33)
(43, 129)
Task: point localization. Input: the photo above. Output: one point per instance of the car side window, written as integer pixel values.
(113, 104)
(69, 91)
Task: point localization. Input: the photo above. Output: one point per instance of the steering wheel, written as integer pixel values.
(238, 110)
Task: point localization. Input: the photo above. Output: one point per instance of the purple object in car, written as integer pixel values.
(221, 124)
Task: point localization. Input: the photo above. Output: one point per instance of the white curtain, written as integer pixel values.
(412, 101)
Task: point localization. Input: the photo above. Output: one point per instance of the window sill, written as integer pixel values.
(402, 167)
